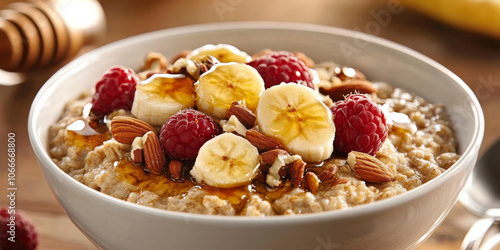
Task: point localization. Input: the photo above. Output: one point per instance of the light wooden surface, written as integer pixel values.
(474, 58)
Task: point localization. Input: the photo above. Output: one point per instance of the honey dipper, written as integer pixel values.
(41, 33)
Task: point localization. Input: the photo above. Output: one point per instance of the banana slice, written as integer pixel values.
(226, 161)
(222, 52)
(482, 16)
(161, 96)
(226, 83)
(293, 114)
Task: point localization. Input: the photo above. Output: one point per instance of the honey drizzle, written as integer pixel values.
(163, 186)
(146, 181)
(89, 133)
(88, 142)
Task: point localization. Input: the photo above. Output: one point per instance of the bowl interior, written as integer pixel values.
(379, 59)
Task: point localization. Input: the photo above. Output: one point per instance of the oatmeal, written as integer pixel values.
(217, 132)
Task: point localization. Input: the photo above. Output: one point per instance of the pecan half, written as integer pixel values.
(328, 175)
(296, 171)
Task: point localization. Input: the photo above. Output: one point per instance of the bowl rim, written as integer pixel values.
(377, 206)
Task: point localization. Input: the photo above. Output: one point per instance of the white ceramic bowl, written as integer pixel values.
(399, 222)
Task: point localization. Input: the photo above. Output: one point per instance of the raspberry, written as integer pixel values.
(26, 236)
(115, 90)
(281, 66)
(360, 125)
(185, 132)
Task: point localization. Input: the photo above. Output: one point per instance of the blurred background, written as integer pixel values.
(462, 35)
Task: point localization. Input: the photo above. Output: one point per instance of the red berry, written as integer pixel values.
(281, 66)
(115, 90)
(360, 125)
(185, 132)
(23, 232)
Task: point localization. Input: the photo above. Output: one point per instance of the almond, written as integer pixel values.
(328, 175)
(125, 129)
(312, 182)
(244, 115)
(338, 91)
(339, 181)
(296, 171)
(369, 168)
(282, 172)
(348, 73)
(233, 125)
(269, 157)
(261, 141)
(175, 169)
(153, 153)
(137, 150)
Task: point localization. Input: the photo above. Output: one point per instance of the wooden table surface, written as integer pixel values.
(474, 58)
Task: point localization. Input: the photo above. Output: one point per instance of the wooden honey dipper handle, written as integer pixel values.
(41, 33)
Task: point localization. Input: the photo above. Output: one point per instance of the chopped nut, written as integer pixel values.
(244, 115)
(275, 172)
(206, 63)
(136, 153)
(269, 157)
(312, 182)
(155, 62)
(233, 125)
(296, 171)
(283, 172)
(186, 67)
(328, 175)
(191, 68)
